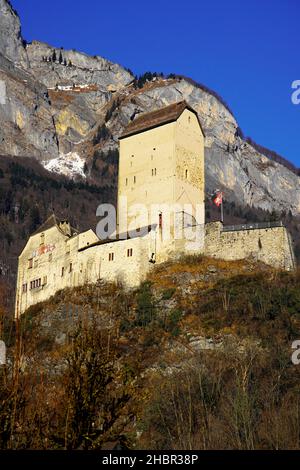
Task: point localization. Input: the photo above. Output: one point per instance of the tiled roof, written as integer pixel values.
(156, 118)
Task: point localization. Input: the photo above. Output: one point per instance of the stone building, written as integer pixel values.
(160, 215)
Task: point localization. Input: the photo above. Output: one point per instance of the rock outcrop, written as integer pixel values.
(11, 43)
(56, 103)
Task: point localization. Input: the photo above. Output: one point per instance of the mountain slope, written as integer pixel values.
(67, 110)
(198, 357)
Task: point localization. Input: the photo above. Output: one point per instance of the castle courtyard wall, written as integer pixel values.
(271, 245)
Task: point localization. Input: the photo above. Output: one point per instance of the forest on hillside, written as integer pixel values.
(198, 357)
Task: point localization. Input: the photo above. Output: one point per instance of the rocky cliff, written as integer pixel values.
(63, 106)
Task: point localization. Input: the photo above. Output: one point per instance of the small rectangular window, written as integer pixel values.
(30, 263)
(39, 282)
(62, 271)
(42, 239)
(134, 179)
(111, 257)
(129, 252)
(126, 181)
(24, 288)
(70, 268)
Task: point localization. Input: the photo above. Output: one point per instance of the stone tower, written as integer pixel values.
(161, 166)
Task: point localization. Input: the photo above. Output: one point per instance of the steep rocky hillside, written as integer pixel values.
(199, 357)
(69, 106)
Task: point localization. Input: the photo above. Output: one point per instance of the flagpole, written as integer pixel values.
(222, 212)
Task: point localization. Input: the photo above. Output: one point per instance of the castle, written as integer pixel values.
(160, 215)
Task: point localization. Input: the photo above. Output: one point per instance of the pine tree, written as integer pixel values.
(60, 60)
(54, 56)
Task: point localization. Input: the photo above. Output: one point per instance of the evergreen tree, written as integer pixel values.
(54, 56)
(60, 60)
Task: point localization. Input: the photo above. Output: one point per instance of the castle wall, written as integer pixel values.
(61, 261)
(49, 262)
(189, 162)
(270, 245)
(125, 261)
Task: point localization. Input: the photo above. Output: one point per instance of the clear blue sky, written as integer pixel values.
(246, 50)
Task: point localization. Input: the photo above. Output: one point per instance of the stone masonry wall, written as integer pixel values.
(270, 245)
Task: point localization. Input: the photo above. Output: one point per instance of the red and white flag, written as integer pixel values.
(218, 198)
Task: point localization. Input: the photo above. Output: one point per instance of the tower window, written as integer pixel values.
(126, 181)
(129, 252)
(24, 288)
(160, 220)
(42, 239)
(186, 174)
(134, 179)
(70, 267)
(30, 263)
(110, 256)
(189, 119)
(62, 271)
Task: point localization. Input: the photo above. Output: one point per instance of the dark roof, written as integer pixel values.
(52, 222)
(138, 233)
(49, 223)
(157, 118)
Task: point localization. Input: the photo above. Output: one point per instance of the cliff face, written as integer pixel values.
(11, 44)
(247, 176)
(57, 101)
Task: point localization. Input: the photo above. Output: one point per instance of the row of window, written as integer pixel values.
(111, 256)
(34, 284)
(38, 282)
(154, 173)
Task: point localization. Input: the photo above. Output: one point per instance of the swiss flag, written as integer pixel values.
(218, 198)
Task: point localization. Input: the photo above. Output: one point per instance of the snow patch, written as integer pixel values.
(69, 164)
